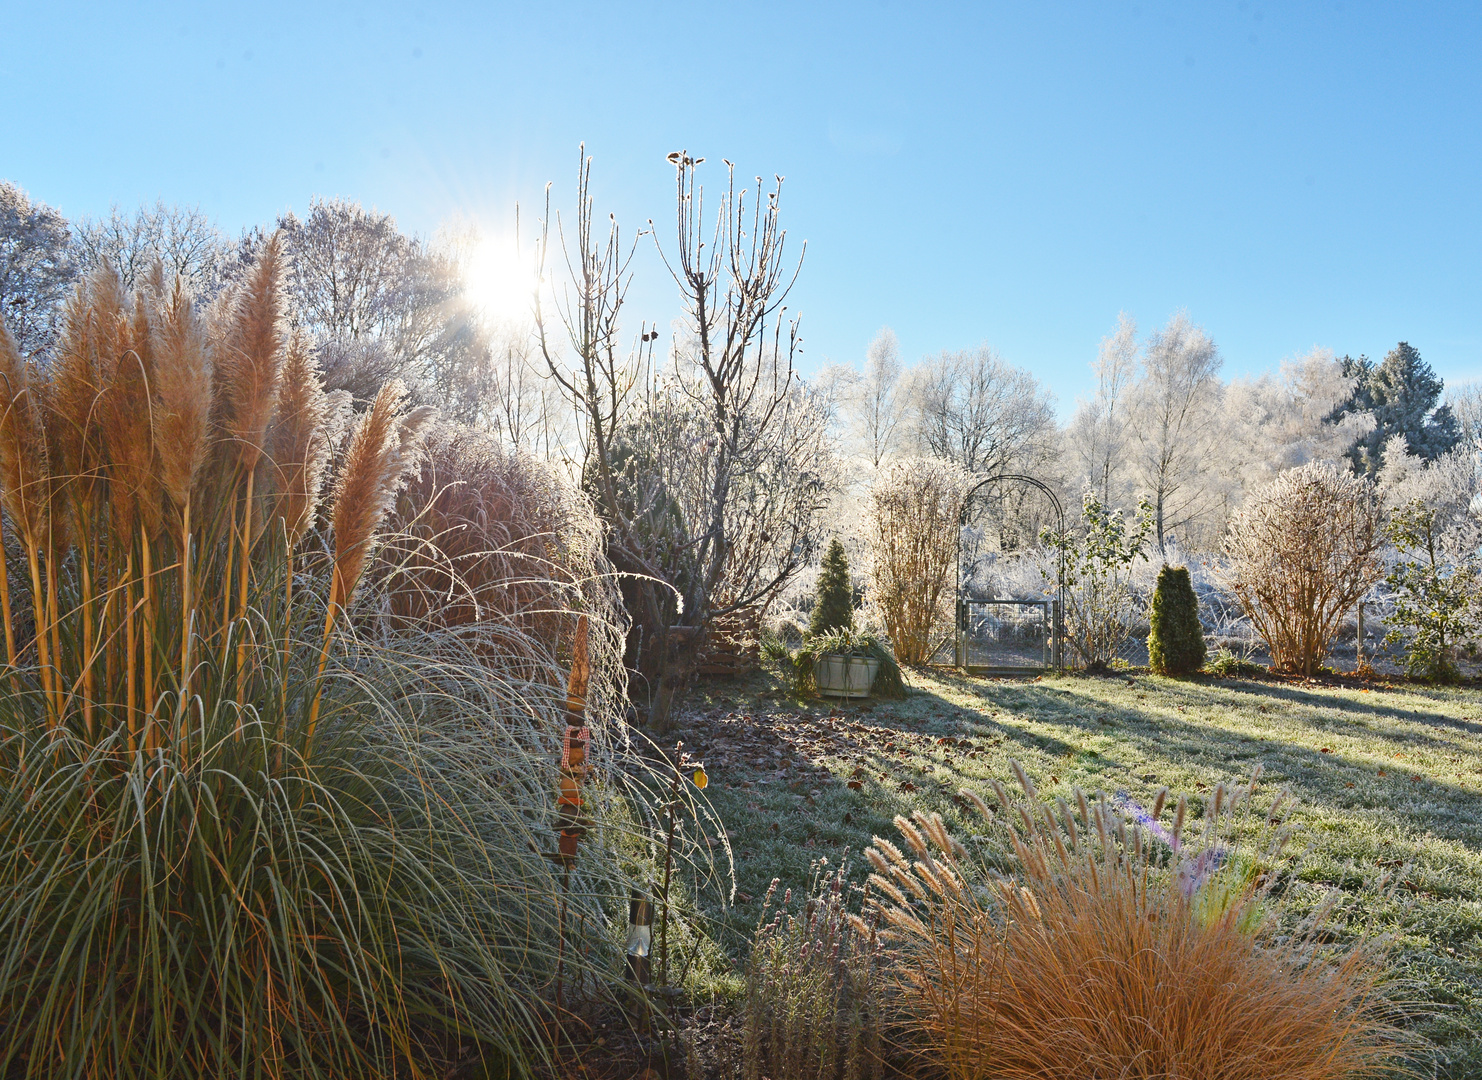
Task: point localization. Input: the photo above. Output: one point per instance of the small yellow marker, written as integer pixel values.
(701, 779)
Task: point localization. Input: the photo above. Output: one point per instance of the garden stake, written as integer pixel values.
(668, 861)
(640, 945)
(569, 823)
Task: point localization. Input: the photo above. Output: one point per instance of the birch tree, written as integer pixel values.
(1097, 437)
(878, 416)
(1176, 417)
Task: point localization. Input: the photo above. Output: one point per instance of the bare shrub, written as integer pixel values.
(915, 508)
(1303, 551)
(1122, 948)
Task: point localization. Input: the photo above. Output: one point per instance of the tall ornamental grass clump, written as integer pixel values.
(1120, 946)
(247, 827)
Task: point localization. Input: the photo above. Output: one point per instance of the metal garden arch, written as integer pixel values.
(1058, 607)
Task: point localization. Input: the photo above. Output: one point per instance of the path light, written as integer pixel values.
(639, 947)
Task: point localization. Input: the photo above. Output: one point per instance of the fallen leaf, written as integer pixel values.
(855, 785)
(908, 786)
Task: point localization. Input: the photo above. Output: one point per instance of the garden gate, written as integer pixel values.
(998, 636)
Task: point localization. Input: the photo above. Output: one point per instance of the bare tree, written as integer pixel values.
(973, 408)
(375, 297)
(711, 500)
(37, 268)
(183, 238)
(877, 408)
(991, 418)
(1465, 400)
(1098, 437)
(1176, 415)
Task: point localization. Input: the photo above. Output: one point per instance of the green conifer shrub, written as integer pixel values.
(835, 607)
(1176, 643)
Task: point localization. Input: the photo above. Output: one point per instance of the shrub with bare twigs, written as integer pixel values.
(911, 531)
(1303, 551)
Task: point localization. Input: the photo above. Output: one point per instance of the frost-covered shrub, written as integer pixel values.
(911, 534)
(1303, 551)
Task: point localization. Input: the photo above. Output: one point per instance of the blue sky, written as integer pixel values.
(1293, 175)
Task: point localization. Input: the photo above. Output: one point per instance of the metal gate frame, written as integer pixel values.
(1050, 649)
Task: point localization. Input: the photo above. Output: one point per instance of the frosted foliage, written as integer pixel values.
(1176, 425)
(1096, 440)
(911, 534)
(1465, 400)
(1303, 551)
(1280, 421)
(974, 408)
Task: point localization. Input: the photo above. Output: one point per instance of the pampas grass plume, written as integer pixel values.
(22, 451)
(251, 355)
(182, 393)
(298, 443)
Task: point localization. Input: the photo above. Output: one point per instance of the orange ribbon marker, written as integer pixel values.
(569, 824)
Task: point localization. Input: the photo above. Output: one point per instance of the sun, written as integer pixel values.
(497, 279)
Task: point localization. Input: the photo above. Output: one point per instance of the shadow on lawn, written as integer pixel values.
(1320, 779)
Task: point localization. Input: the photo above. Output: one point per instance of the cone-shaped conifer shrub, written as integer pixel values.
(1176, 642)
(834, 609)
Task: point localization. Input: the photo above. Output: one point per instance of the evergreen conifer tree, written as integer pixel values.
(1176, 643)
(1403, 392)
(835, 607)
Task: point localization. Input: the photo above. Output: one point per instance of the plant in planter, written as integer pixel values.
(847, 663)
(834, 609)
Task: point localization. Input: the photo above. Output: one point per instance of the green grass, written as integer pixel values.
(1388, 780)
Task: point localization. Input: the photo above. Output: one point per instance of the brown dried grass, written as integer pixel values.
(249, 357)
(1096, 961)
(182, 394)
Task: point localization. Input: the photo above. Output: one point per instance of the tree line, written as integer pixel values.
(716, 467)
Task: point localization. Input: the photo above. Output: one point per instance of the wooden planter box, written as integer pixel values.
(734, 646)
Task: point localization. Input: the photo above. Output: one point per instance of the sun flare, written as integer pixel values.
(497, 279)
